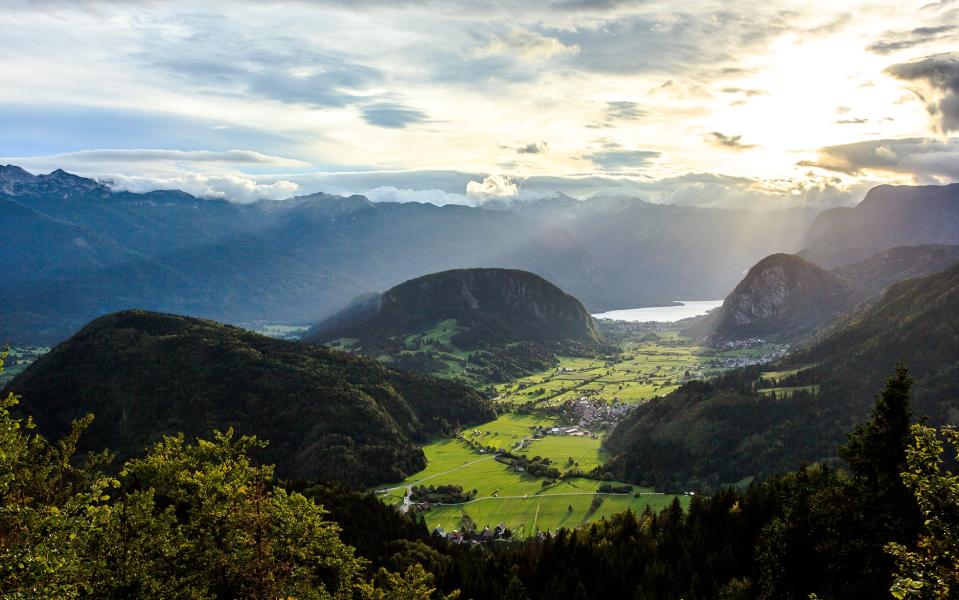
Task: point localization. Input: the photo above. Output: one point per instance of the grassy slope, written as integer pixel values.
(651, 370)
(521, 502)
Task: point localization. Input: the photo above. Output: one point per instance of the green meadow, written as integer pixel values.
(517, 499)
(641, 373)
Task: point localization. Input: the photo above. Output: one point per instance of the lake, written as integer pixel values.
(662, 314)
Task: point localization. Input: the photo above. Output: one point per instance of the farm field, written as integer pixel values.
(777, 376)
(643, 372)
(517, 499)
(18, 359)
(785, 392)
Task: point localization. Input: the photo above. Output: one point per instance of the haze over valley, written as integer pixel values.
(424, 301)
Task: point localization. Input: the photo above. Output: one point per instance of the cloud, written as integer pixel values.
(619, 160)
(617, 112)
(909, 39)
(235, 188)
(527, 45)
(748, 92)
(247, 157)
(941, 74)
(671, 42)
(437, 197)
(925, 160)
(728, 141)
(533, 148)
(392, 115)
(613, 156)
(492, 187)
(623, 110)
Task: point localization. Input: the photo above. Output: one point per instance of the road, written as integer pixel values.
(541, 496)
(419, 481)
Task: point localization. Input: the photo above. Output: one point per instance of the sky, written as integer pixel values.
(757, 104)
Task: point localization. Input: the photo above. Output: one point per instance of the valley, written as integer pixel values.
(585, 300)
(557, 419)
(503, 494)
(18, 358)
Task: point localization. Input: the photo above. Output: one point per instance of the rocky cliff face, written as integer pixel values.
(783, 296)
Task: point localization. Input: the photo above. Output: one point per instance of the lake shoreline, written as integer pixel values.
(679, 310)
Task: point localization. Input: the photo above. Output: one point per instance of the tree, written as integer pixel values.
(200, 520)
(188, 520)
(831, 536)
(48, 510)
(880, 508)
(414, 584)
(876, 450)
(930, 570)
(515, 590)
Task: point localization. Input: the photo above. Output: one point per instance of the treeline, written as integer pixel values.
(854, 532)
(203, 520)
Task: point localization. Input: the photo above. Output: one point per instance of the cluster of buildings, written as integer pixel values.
(597, 413)
(499, 533)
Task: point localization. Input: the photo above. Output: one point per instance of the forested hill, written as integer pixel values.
(482, 323)
(750, 424)
(326, 414)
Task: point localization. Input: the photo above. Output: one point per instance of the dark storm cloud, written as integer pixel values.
(941, 73)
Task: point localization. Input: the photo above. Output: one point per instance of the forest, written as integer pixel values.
(201, 519)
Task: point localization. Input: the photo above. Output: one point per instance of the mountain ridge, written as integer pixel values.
(711, 434)
(326, 414)
(299, 260)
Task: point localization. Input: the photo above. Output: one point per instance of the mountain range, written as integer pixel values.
(888, 217)
(77, 249)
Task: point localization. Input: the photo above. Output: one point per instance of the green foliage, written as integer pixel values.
(187, 520)
(830, 538)
(327, 414)
(201, 520)
(723, 432)
(930, 570)
(414, 584)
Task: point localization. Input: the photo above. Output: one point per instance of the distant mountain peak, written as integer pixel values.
(12, 176)
(13, 172)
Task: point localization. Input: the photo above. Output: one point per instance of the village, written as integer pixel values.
(500, 533)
